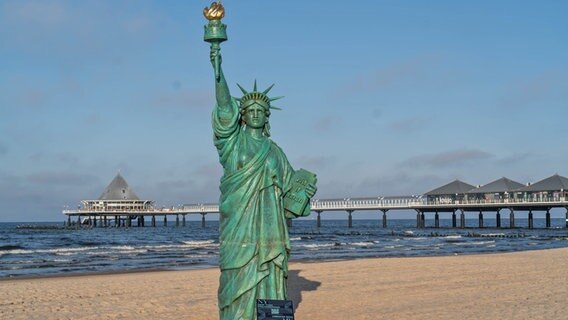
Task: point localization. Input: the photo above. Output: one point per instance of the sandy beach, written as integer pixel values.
(521, 285)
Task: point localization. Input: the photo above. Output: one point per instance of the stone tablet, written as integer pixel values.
(274, 309)
(296, 200)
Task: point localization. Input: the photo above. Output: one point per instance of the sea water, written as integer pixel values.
(48, 249)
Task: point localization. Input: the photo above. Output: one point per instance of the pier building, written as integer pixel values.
(117, 196)
(500, 189)
(116, 199)
(449, 193)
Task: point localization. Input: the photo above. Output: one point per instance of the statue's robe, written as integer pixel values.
(254, 241)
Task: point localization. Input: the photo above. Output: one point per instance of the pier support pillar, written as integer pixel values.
(498, 219)
(154, 221)
(183, 220)
(566, 217)
(418, 219)
(138, 222)
(128, 222)
(512, 218)
(480, 219)
(436, 220)
(101, 224)
(116, 221)
(454, 219)
(384, 218)
(68, 221)
(531, 225)
(203, 220)
(78, 221)
(93, 221)
(106, 222)
(422, 220)
(165, 221)
(462, 219)
(548, 224)
(318, 219)
(177, 220)
(350, 219)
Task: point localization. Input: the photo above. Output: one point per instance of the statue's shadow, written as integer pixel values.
(297, 285)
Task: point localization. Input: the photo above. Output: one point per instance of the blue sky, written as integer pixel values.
(381, 97)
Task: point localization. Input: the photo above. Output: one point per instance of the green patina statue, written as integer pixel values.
(259, 191)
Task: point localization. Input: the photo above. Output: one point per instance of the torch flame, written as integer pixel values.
(215, 12)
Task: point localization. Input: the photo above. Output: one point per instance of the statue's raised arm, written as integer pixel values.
(222, 92)
(215, 33)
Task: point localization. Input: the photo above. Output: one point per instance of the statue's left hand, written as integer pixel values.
(215, 52)
(311, 190)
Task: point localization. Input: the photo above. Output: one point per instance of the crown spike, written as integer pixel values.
(275, 108)
(276, 98)
(268, 89)
(254, 89)
(242, 89)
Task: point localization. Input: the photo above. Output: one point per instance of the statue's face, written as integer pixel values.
(255, 116)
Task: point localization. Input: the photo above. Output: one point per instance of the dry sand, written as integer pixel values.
(524, 285)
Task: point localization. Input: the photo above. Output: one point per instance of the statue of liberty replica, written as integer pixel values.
(259, 191)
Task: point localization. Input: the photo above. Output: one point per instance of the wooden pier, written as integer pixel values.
(118, 205)
(383, 206)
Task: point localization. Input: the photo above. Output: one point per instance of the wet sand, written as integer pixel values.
(521, 285)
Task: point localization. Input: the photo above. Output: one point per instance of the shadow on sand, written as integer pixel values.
(297, 285)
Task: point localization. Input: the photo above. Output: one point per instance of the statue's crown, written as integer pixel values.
(257, 96)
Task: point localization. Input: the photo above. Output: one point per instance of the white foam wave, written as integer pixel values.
(361, 244)
(56, 251)
(113, 252)
(314, 246)
(199, 243)
(475, 243)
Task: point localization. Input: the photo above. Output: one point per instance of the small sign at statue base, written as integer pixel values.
(274, 309)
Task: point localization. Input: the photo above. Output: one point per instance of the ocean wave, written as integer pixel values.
(106, 253)
(361, 244)
(315, 246)
(71, 251)
(475, 243)
(453, 239)
(10, 247)
(55, 250)
(197, 243)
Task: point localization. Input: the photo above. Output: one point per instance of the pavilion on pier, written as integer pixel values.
(552, 188)
(118, 196)
(449, 193)
(498, 190)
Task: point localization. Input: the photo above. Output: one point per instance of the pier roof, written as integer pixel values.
(118, 189)
(552, 183)
(499, 185)
(456, 186)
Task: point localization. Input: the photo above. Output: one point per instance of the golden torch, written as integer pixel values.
(215, 31)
